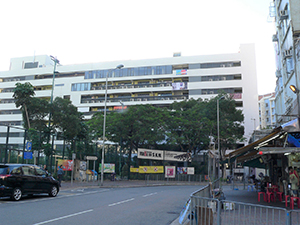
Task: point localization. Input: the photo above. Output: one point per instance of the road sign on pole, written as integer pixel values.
(92, 158)
(28, 145)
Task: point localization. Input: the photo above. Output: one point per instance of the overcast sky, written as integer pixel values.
(97, 30)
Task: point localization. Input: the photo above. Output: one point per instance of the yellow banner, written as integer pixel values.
(134, 170)
(151, 169)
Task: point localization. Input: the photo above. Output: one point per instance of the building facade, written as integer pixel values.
(152, 81)
(267, 115)
(287, 47)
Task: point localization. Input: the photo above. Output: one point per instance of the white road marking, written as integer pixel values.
(64, 217)
(147, 195)
(117, 203)
(64, 195)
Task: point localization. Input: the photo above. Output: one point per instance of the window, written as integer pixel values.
(40, 172)
(16, 171)
(28, 170)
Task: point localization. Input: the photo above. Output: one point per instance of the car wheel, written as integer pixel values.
(53, 192)
(17, 194)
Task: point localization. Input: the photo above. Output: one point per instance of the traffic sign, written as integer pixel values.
(27, 155)
(28, 145)
(92, 158)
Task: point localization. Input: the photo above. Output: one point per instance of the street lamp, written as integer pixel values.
(296, 91)
(218, 127)
(56, 61)
(104, 122)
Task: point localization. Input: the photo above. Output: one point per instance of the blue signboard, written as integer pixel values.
(28, 145)
(27, 155)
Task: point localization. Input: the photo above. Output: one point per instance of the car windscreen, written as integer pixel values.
(3, 170)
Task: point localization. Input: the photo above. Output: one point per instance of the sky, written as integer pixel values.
(77, 31)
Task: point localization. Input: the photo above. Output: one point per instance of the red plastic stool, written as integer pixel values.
(292, 202)
(279, 195)
(270, 196)
(286, 200)
(264, 195)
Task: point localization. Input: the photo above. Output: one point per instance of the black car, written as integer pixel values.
(17, 180)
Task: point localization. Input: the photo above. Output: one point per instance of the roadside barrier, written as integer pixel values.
(207, 208)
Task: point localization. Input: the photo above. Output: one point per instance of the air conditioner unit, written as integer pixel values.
(204, 92)
(274, 38)
(211, 80)
(223, 78)
(211, 92)
(278, 73)
(287, 53)
(283, 14)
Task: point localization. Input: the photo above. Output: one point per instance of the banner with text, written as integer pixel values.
(163, 155)
(150, 154)
(151, 169)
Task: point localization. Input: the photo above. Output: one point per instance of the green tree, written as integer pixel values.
(23, 94)
(67, 120)
(139, 125)
(187, 125)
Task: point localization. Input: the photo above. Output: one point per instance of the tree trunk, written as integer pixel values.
(27, 116)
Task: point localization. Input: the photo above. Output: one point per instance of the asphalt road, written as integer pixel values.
(140, 205)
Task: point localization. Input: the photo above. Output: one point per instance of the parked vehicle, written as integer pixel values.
(17, 180)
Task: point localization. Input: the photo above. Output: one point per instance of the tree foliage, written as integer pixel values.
(23, 94)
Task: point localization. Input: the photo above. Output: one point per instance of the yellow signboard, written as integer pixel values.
(151, 169)
(134, 170)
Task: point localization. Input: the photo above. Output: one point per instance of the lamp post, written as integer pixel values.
(120, 159)
(296, 91)
(104, 122)
(56, 61)
(218, 127)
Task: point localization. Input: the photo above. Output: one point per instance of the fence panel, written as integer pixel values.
(250, 214)
(294, 217)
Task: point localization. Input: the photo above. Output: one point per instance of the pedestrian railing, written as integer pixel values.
(208, 209)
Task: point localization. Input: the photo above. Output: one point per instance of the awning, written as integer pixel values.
(254, 145)
(279, 150)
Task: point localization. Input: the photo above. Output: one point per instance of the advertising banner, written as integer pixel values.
(150, 154)
(190, 170)
(151, 169)
(108, 167)
(179, 86)
(164, 155)
(134, 170)
(66, 164)
(170, 171)
(181, 170)
(177, 156)
(181, 72)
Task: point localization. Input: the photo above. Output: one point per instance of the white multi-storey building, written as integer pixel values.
(267, 115)
(287, 48)
(151, 81)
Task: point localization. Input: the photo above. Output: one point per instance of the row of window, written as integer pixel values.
(12, 134)
(2, 112)
(11, 123)
(137, 71)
